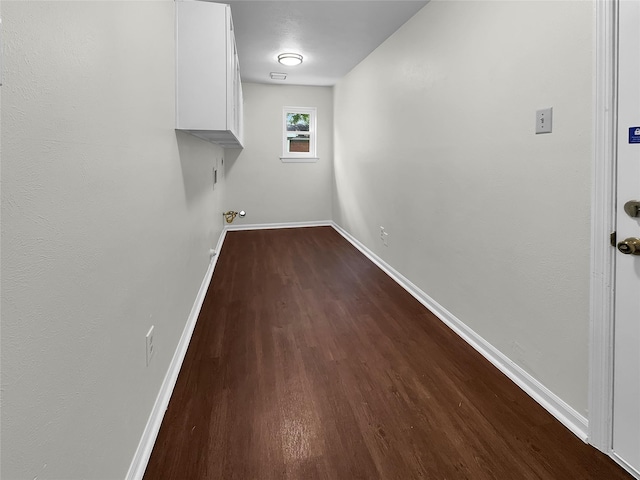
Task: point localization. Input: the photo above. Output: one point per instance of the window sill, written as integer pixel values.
(299, 159)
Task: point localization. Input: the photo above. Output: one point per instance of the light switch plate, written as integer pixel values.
(544, 119)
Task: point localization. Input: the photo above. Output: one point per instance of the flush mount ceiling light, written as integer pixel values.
(290, 59)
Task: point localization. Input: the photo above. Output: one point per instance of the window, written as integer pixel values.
(299, 134)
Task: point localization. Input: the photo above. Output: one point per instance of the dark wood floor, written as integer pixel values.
(308, 362)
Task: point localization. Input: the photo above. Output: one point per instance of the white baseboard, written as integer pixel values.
(148, 439)
(268, 226)
(632, 471)
(569, 417)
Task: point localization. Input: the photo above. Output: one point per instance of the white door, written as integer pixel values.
(626, 391)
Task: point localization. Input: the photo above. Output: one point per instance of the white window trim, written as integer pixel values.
(300, 157)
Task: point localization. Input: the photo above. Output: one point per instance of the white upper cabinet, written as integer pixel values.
(208, 89)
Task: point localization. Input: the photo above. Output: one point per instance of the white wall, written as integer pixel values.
(107, 219)
(257, 181)
(487, 218)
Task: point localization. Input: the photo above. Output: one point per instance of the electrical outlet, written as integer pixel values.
(384, 236)
(150, 346)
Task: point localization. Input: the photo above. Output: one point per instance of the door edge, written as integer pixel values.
(600, 399)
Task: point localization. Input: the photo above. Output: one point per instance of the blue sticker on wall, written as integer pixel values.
(634, 135)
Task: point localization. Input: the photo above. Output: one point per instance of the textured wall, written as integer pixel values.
(487, 218)
(107, 219)
(258, 182)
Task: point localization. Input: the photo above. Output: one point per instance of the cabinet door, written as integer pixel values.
(237, 104)
(240, 114)
(234, 105)
(201, 80)
(232, 61)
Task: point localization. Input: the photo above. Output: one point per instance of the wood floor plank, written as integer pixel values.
(308, 362)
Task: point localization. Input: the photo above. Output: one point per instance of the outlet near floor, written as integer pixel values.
(150, 345)
(384, 236)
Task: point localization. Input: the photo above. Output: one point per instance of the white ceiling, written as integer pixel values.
(333, 36)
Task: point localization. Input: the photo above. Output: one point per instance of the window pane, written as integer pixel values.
(297, 122)
(299, 144)
(298, 132)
